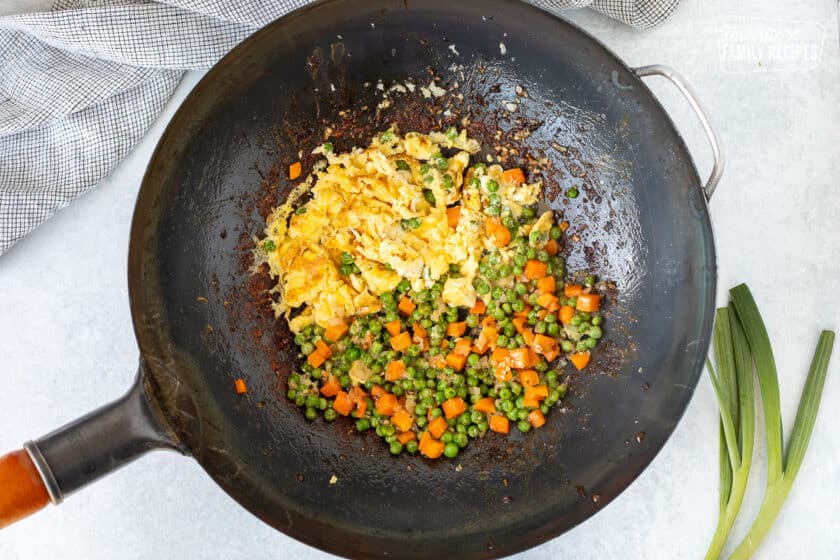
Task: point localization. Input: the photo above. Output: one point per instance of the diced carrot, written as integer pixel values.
(543, 342)
(533, 396)
(519, 323)
(361, 408)
(432, 449)
(535, 269)
(357, 395)
(479, 307)
(588, 302)
(502, 372)
(453, 216)
(405, 437)
(529, 378)
(343, 404)
(566, 314)
(240, 387)
(486, 405)
(316, 358)
(456, 329)
(519, 358)
(402, 420)
(563, 226)
(528, 336)
(401, 342)
(395, 370)
(523, 313)
(530, 402)
(406, 306)
(322, 347)
(572, 290)
(295, 170)
(437, 361)
(377, 391)
(454, 407)
(421, 337)
(331, 387)
(546, 285)
(387, 404)
(580, 360)
(514, 177)
(499, 235)
(437, 427)
(486, 338)
(393, 327)
(542, 314)
(335, 331)
(552, 352)
(488, 321)
(540, 391)
(500, 355)
(419, 330)
(456, 361)
(499, 424)
(552, 247)
(536, 418)
(463, 347)
(549, 302)
(533, 359)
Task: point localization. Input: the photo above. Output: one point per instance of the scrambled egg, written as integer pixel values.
(384, 208)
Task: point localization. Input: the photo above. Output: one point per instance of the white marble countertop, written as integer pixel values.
(769, 73)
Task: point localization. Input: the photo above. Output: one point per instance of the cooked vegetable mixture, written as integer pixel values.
(428, 297)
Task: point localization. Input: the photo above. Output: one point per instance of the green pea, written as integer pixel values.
(506, 406)
(307, 348)
(504, 271)
(291, 394)
(353, 353)
(591, 343)
(311, 413)
(597, 320)
(447, 182)
(572, 193)
(523, 426)
(553, 329)
(518, 270)
(330, 415)
(528, 212)
(451, 450)
(493, 211)
(473, 431)
(386, 137)
(555, 233)
(475, 182)
(460, 439)
(328, 147)
(509, 330)
(595, 332)
(501, 340)
(576, 320)
(539, 328)
(411, 447)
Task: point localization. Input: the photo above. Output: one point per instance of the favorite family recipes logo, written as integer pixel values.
(752, 44)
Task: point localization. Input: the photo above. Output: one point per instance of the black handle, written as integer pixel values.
(99, 443)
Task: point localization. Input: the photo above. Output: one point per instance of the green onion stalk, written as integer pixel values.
(741, 342)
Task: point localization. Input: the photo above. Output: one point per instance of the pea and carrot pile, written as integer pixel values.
(428, 375)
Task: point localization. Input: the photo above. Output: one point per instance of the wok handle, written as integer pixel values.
(702, 114)
(58, 464)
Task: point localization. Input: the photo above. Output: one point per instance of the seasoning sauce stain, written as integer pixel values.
(639, 437)
(581, 491)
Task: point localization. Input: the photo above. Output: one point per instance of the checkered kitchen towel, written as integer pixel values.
(80, 85)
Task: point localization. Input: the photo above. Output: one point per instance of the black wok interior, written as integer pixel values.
(642, 222)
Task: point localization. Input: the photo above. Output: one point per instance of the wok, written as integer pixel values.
(201, 314)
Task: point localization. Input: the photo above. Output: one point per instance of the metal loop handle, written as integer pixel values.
(699, 110)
